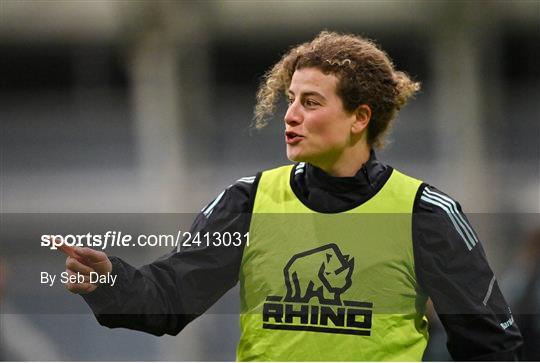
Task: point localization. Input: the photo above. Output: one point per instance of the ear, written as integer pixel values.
(362, 117)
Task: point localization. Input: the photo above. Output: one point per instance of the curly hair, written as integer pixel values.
(365, 72)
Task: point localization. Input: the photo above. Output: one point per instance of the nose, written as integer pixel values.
(293, 115)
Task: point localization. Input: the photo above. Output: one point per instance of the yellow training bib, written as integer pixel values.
(331, 286)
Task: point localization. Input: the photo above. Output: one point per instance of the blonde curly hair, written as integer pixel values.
(366, 76)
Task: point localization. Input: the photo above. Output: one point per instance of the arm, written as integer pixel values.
(452, 269)
(164, 296)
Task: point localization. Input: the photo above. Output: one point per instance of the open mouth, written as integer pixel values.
(292, 137)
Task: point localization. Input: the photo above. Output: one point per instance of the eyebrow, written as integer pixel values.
(308, 93)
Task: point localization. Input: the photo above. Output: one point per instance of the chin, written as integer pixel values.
(297, 157)
(293, 156)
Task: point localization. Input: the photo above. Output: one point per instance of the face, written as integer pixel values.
(317, 127)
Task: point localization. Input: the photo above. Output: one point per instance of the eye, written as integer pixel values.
(311, 103)
(290, 101)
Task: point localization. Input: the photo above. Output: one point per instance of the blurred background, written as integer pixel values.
(145, 107)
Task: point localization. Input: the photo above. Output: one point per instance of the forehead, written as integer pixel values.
(306, 80)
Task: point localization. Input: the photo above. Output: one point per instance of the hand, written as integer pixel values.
(84, 260)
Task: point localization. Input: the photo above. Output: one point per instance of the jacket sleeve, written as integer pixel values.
(452, 269)
(164, 296)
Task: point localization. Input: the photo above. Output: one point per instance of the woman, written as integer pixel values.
(343, 250)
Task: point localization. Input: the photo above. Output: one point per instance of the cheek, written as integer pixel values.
(328, 129)
(320, 125)
(329, 132)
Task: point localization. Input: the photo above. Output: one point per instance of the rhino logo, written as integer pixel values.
(323, 272)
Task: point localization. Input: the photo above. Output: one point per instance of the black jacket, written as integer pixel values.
(451, 266)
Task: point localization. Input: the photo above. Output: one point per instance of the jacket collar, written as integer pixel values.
(368, 176)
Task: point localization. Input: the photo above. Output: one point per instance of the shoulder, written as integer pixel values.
(284, 170)
(437, 213)
(239, 196)
(279, 175)
(236, 198)
(431, 200)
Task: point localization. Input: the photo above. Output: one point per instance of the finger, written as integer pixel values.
(76, 266)
(82, 288)
(69, 250)
(91, 256)
(86, 278)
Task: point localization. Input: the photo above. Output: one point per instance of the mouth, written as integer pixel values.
(292, 138)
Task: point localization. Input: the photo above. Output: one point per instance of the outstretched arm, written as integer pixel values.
(164, 296)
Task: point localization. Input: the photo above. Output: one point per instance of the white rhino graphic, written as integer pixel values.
(323, 272)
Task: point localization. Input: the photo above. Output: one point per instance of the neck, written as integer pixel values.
(348, 163)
